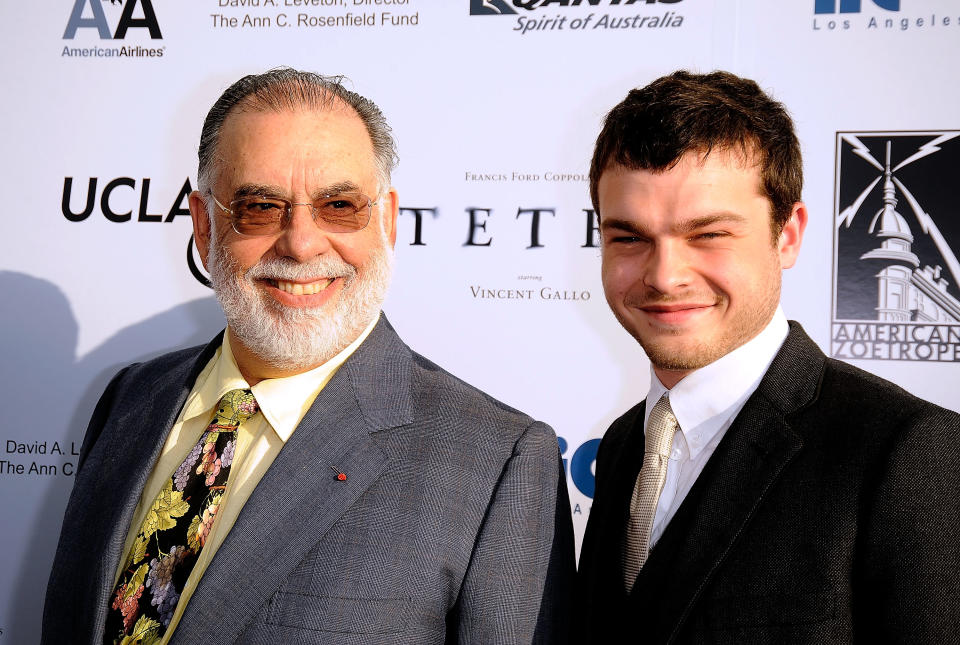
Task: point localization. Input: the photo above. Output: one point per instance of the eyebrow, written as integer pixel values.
(269, 190)
(724, 217)
(620, 225)
(337, 188)
(263, 190)
(685, 226)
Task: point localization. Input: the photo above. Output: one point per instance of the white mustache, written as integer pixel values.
(284, 269)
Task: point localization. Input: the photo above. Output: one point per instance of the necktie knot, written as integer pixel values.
(235, 407)
(661, 427)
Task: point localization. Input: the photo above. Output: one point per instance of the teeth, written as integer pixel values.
(300, 289)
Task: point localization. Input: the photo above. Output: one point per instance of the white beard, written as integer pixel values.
(291, 338)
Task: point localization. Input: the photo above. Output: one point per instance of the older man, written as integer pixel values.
(762, 493)
(306, 477)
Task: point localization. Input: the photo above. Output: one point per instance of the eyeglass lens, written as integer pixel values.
(340, 213)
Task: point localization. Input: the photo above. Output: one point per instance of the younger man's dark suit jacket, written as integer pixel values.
(453, 524)
(829, 513)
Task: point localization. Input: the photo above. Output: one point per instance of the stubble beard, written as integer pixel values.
(694, 352)
(292, 338)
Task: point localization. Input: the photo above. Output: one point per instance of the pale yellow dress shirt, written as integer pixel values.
(283, 403)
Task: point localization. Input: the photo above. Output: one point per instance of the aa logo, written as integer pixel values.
(852, 6)
(89, 14)
(490, 8)
(896, 273)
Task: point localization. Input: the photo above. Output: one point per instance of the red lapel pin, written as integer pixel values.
(340, 476)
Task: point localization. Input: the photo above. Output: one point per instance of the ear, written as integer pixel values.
(791, 237)
(201, 226)
(391, 209)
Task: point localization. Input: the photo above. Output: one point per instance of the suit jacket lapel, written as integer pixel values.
(300, 497)
(608, 536)
(746, 464)
(134, 441)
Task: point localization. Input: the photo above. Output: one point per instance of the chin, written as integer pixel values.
(686, 356)
(296, 338)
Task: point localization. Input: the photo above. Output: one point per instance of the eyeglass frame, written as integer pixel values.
(288, 213)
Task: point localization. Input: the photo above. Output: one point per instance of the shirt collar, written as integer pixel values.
(283, 401)
(707, 397)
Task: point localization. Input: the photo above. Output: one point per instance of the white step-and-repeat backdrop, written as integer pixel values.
(495, 104)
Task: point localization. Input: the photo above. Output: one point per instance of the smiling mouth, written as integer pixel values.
(675, 315)
(301, 288)
(668, 309)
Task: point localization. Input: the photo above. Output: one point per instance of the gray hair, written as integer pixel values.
(285, 89)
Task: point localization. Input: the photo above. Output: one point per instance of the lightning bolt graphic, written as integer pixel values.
(861, 151)
(927, 149)
(930, 228)
(845, 217)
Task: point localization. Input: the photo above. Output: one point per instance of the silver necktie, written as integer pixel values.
(646, 491)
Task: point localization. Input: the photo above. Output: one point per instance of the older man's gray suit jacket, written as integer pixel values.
(453, 524)
(829, 514)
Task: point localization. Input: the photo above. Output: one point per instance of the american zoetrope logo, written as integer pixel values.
(897, 226)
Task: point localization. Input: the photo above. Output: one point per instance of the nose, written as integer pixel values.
(302, 240)
(667, 267)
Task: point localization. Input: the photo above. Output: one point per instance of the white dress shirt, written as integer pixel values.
(705, 403)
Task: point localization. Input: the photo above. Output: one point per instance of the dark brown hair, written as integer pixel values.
(654, 126)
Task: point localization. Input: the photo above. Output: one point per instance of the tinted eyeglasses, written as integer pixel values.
(257, 215)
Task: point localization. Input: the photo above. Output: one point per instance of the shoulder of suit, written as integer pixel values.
(430, 376)
(801, 376)
(165, 363)
(439, 393)
(620, 429)
(431, 400)
(872, 395)
(839, 397)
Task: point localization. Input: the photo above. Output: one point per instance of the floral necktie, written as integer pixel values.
(175, 530)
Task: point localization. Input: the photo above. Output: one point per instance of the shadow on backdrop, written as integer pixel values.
(50, 395)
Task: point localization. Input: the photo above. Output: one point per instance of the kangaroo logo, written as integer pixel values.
(490, 8)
